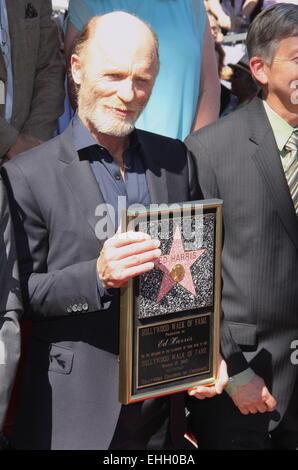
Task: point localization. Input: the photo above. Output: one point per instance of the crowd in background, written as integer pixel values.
(228, 20)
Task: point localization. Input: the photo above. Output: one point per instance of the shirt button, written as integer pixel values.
(80, 307)
(85, 307)
(117, 177)
(75, 308)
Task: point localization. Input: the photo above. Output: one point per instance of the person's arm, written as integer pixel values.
(58, 292)
(247, 8)
(48, 93)
(209, 96)
(244, 17)
(71, 37)
(46, 294)
(10, 306)
(223, 19)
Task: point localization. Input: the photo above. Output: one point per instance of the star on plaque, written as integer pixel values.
(176, 267)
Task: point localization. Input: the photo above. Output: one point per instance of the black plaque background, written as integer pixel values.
(162, 319)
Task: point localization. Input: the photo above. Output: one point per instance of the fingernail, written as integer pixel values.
(156, 243)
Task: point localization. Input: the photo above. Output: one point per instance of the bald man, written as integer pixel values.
(72, 265)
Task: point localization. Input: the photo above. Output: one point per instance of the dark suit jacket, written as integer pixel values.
(38, 73)
(238, 161)
(10, 306)
(69, 398)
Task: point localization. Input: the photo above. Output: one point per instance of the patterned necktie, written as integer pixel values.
(290, 165)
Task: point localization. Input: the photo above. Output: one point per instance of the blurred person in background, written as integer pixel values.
(215, 28)
(243, 86)
(233, 15)
(31, 74)
(225, 93)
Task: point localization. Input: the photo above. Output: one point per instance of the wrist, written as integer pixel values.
(239, 380)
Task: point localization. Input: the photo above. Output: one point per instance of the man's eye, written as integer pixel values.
(114, 76)
(141, 80)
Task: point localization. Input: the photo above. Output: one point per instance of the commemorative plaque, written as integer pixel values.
(169, 316)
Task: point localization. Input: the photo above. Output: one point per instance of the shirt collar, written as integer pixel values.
(83, 138)
(282, 130)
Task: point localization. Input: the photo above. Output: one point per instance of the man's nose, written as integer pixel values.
(126, 90)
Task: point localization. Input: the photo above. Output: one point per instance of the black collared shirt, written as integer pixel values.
(118, 193)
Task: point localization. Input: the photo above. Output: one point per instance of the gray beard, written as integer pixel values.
(111, 126)
(104, 123)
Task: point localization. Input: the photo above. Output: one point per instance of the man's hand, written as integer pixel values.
(124, 256)
(253, 397)
(209, 392)
(24, 142)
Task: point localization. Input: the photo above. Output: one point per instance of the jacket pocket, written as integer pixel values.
(61, 359)
(245, 334)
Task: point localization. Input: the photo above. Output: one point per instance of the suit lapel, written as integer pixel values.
(82, 182)
(268, 162)
(155, 174)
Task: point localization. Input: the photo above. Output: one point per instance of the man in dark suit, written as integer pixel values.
(69, 261)
(249, 159)
(10, 307)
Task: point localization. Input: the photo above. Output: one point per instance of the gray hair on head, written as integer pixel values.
(280, 21)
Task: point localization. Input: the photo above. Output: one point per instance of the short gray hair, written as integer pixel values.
(280, 21)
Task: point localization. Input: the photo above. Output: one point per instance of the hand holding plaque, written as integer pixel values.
(169, 314)
(221, 382)
(126, 255)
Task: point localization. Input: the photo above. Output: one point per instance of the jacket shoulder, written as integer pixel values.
(234, 123)
(38, 159)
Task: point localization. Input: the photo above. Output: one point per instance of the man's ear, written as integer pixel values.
(259, 69)
(75, 63)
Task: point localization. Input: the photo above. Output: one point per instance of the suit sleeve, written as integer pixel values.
(54, 293)
(10, 306)
(207, 179)
(48, 94)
